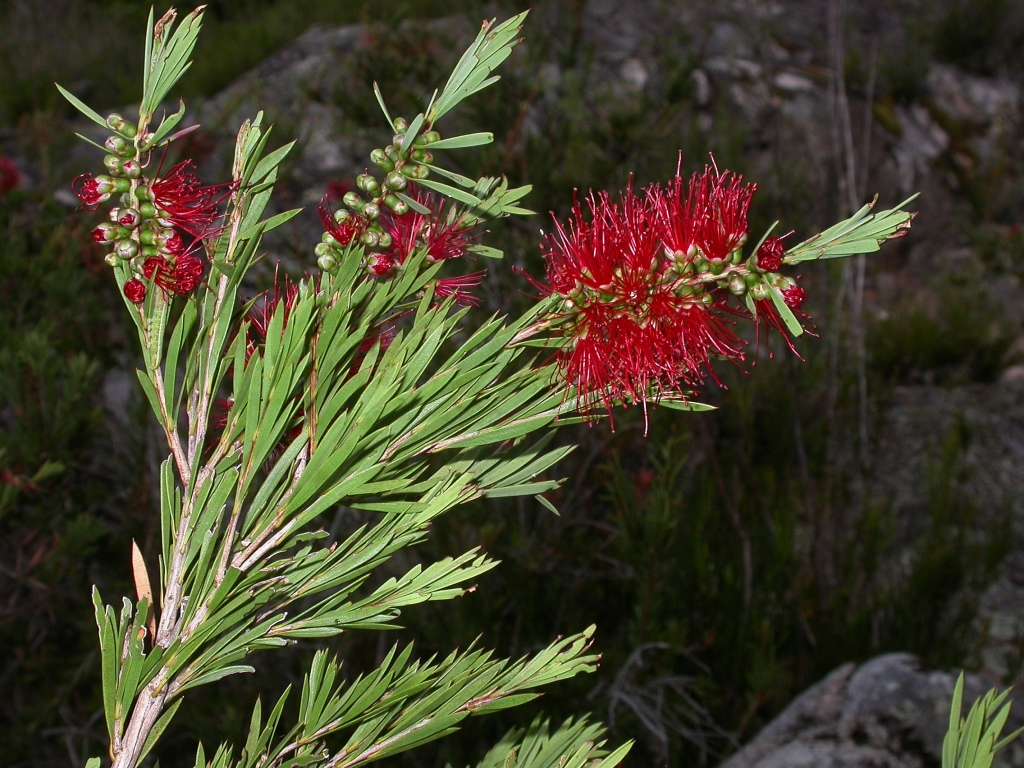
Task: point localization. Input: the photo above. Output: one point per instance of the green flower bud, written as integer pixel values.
(384, 240)
(117, 123)
(427, 138)
(368, 184)
(371, 211)
(131, 169)
(323, 250)
(401, 125)
(147, 211)
(148, 251)
(381, 160)
(327, 263)
(397, 141)
(341, 215)
(395, 204)
(392, 153)
(751, 279)
(717, 266)
(708, 299)
(126, 249)
(113, 164)
(144, 193)
(759, 292)
(736, 256)
(395, 181)
(118, 185)
(737, 285)
(369, 239)
(329, 240)
(415, 171)
(112, 259)
(119, 147)
(422, 156)
(354, 201)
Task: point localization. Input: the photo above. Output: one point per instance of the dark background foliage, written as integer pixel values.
(729, 559)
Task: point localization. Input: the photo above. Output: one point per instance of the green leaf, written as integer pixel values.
(82, 107)
(413, 204)
(450, 192)
(384, 109)
(792, 324)
(486, 251)
(861, 233)
(685, 405)
(158, 729)
(281, 218)
(551, 507)
(467, 140)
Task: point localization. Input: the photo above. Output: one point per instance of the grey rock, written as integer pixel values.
(887, 713)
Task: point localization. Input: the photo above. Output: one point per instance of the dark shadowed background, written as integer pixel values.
(864, 500)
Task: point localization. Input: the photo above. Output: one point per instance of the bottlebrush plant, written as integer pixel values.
(349, 387)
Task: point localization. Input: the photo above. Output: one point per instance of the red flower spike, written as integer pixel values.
(440, 231)
(632, 335)
(381, 265)
(177, 278)
(263, 311)
(769, 255)
(135, 291)
(344, 231)
(188, 204)
(794, 296)
(460, 288)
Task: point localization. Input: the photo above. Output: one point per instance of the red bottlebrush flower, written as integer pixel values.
(711, 221)
(633, 333)
(794, 296)
(440, 231)
(344, 231)
(177, 278)
(90, 191)
(460, 288)
(188, 204)
(10, 175)
(135, 291)
(381, 265)
(263, 311)
(769, 255)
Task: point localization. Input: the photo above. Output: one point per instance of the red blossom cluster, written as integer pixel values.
(645, 284)
(441, 232)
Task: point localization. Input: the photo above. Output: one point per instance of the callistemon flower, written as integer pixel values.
(342, 226)
(91, 191)
(636, 330)
(264, 309)
(460, 287)
(441, 231)
(179, 277)
(188, 204)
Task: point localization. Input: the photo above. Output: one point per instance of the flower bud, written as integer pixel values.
(717, 266)
(396, 141)
(769, 255)
(326, 262)
(392, 153)
(132, 169)
(354, 201)
(381, 160)
(396, 204)
(107, 233)
(147, 211)
(759, 292)
(380, 264)
(119, 147)
(135, 291)
(371, 211)
(422, 156)
(111, 259)
(427, 138)
(794, 296)
(329, 240)
(113, 163)
(401, 124)
(126, 249)
(415, 171)
(395, 181)
(369, 239)
(736, 256)
(341, 215)
(384, 240)
(368, 184)
(324, 249)
(737, 285)
(149, 251)
(117, 123)
(144, 193)
(708, 299)
(128, 217)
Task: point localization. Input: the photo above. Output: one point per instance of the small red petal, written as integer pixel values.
(135, 291)
(769, 255)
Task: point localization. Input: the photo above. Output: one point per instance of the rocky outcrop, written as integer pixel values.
(887, 713)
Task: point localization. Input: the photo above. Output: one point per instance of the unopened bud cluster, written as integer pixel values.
(405, 159)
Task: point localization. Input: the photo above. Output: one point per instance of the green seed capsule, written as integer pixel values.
(708, 299)
(395, 181)
(381, 160)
